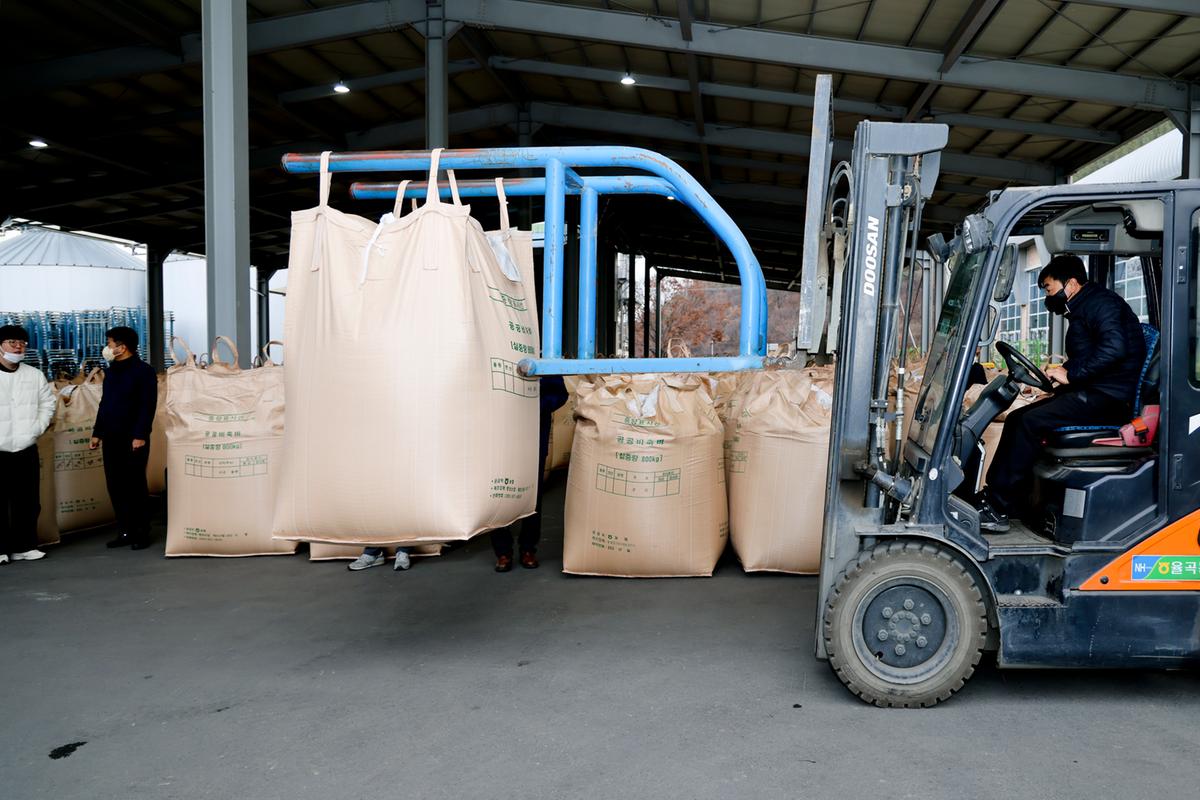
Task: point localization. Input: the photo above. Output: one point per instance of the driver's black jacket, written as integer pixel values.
(1105, 345)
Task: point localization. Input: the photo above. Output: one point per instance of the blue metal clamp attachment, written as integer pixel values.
(666, 178)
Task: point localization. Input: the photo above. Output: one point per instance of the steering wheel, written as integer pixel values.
(1022, 369)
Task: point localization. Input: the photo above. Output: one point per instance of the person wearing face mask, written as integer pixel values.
(26, 407)
(1097, 383)
(123, 424)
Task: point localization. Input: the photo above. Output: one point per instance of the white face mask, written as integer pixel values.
(107, 354)
(14, 358)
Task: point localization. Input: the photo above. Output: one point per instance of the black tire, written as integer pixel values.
(905, 626)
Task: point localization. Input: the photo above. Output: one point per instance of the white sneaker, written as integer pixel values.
(365, 561)
(28, 555)
(402, 560)
(3, 558)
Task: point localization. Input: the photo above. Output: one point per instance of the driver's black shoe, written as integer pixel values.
(989, 518)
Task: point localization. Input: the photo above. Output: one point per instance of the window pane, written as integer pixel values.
(1129, 282)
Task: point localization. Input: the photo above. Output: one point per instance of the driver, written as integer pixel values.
(1096, 384)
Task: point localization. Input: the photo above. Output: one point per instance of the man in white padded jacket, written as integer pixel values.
(26, 407)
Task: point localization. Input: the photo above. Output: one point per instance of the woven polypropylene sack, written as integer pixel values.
(81, 494)
(407, 419)
(646, 485)
(777, 455)
(224, 440)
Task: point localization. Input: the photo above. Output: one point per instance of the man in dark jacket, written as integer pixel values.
(1097, 383)
(123, 425)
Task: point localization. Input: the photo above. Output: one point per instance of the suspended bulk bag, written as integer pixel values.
(646, 486)
(778, 446)
(79, 488)
(224, 443)
(407, 420)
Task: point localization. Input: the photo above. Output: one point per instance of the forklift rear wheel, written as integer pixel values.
(905, 626)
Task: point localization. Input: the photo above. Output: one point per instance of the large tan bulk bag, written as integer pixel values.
(407, 419)
(224, 440)
(777, 465)
(319, 551)
(646, 486)
(47, 524)
(156, 467)
(81, 495)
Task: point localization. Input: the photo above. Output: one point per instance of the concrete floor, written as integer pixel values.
(278, 678)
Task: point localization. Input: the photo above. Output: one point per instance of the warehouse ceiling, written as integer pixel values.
(1031, 90)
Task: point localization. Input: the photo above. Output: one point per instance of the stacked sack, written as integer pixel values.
(562, 429)
(224, 429)
(407, 419)
(80, 492)
(646, 487)
(777, 448)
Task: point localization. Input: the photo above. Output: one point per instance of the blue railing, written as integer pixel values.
(667, 179)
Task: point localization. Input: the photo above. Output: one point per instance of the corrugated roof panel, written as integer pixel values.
(45, 247)
(1158, 160)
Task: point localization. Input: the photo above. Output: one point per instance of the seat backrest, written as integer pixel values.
(1147, 391)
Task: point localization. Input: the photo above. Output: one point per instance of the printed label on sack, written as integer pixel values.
(635, 422)
(640, 439)
(637, 483)
(225, 418)
(78, 505)
(72, 460)
(506, 300)
(611, 542)
(506, 378)
(205, 535)
(234, 467)
(737, 460)
(507, 489)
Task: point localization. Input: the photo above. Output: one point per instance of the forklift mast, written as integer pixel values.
(892, 172)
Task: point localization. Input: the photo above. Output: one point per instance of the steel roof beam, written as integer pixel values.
(262, 36)
(1184, 8)
(968, 28)
(640, 30)
(768, 141)
(800, 100)
(371, 82)
(815, 52)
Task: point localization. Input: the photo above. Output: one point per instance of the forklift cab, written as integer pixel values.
(1103, 568)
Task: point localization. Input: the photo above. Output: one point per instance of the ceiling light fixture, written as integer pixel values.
(628, 80)
(39, 143)
(341, 88)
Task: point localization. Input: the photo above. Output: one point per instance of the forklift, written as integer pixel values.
(1103, 567)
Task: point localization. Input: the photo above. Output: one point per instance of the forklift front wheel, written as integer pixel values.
(905, 626)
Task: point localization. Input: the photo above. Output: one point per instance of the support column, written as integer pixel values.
(263, 298)
(524, 205)
(156, 348)
(631, 312)
(226, 172)
(658, 309)
(571, 286)
(1191, 137)
(646, 312)
(437, 76)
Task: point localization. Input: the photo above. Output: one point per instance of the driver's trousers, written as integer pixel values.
(1026, 429)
